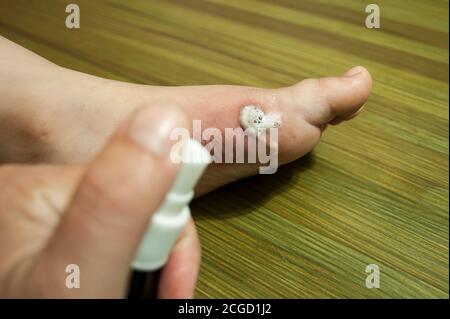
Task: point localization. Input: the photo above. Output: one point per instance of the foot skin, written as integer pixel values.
(70, 115)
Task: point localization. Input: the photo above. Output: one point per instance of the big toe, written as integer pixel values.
(333, 99)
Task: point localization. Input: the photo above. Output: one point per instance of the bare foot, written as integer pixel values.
(66, 116)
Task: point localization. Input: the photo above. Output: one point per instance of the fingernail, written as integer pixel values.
(151, 126)
(354, 71)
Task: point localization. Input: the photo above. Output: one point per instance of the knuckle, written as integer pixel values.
(96, 194)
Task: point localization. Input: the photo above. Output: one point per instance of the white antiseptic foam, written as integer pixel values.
(254, 119)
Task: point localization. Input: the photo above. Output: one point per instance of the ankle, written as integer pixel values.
(25, 113)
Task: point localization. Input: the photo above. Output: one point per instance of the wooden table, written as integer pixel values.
(375, 191)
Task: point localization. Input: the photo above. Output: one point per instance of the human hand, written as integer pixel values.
(93, 216)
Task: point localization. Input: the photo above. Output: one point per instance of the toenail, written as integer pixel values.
(356, 113)
(254, 119)
(354, 71)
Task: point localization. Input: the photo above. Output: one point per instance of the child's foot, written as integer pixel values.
(70, 115)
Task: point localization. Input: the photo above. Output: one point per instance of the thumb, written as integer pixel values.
(102, 227)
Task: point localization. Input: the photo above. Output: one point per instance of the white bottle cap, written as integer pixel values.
(169, 220)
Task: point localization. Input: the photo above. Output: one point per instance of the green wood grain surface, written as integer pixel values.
(375, 191)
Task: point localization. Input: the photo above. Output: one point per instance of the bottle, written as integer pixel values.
(167, 222)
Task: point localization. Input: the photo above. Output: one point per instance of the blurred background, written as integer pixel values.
(375, 191)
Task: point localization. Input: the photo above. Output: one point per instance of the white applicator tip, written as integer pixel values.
(173, 214)
(195, 158)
